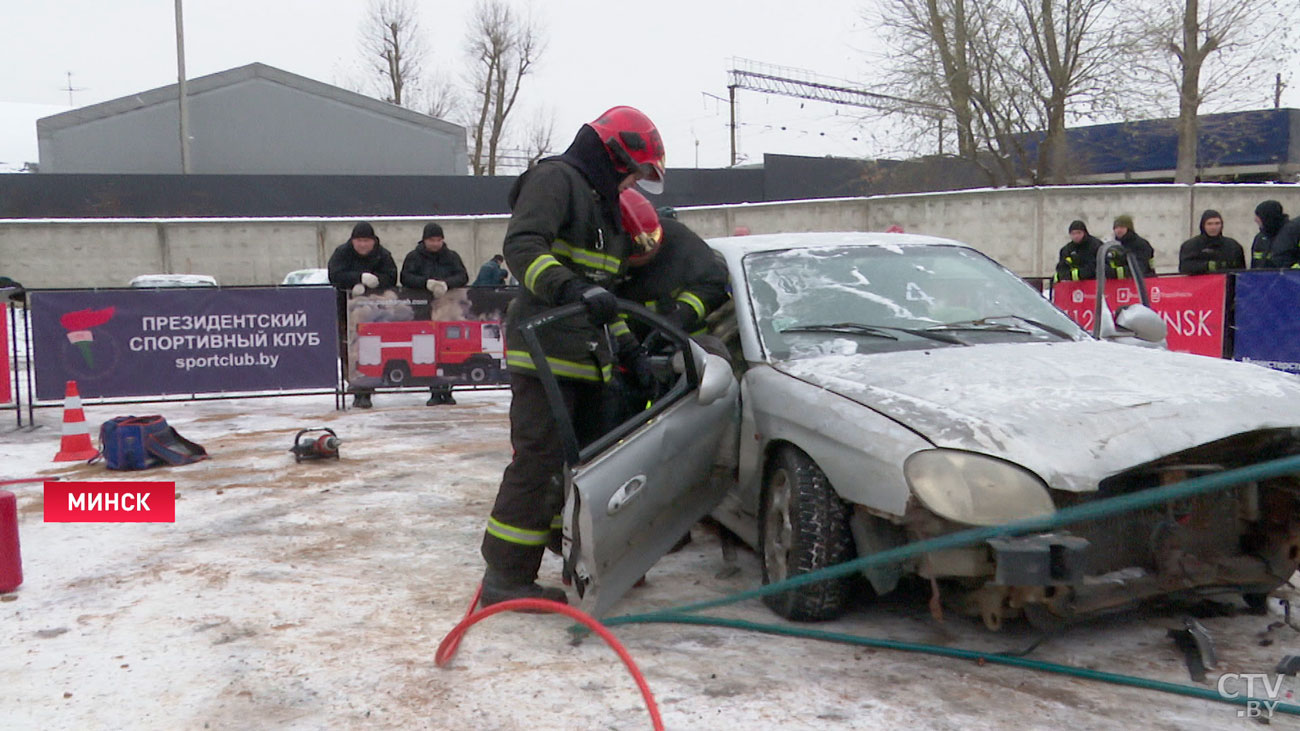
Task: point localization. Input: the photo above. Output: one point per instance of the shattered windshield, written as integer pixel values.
(871, 299)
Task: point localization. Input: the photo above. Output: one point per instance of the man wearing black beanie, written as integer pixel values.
(357, 265)
(1211, 251)
(361, 263)
(1133, 244)
(433, 266)
(1077, 260)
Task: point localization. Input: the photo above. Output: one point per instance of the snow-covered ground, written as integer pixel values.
(314, 595)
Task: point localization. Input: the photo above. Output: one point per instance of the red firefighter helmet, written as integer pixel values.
(641, 223)
(634, 143)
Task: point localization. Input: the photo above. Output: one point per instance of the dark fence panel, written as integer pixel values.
(270, 196)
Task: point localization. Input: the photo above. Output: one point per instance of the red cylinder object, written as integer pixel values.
(11, 562)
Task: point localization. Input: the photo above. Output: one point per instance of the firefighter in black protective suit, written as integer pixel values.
(566, 244)
(1077, 260)
(673, 272)
(1277, 245)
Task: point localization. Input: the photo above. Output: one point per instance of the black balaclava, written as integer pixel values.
(1270, 216)
(588, 154)
(1210, 213)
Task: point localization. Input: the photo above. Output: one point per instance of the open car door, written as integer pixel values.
(634, 492)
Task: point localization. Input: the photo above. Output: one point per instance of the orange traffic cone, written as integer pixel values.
(75, 446)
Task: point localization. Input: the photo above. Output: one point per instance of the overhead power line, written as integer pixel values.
(803, 84)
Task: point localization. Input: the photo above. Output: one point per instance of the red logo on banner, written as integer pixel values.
(1191, 306)
(110, 502)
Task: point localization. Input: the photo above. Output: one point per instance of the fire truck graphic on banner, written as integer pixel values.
(406, 338)
(417, 353)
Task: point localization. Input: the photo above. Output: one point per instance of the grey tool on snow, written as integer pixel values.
(1197, 647)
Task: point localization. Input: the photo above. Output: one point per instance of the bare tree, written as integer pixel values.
(390, 40)
(503, 48)
(441, 98)
(1005, 70)
(1070, 50)
(539, 141)
(1204, 48)
(929, 61)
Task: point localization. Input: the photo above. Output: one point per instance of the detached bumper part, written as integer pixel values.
(1039, 560)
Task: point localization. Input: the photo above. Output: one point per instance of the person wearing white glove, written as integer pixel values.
(432, 265)
(362, 261)
(357, 264)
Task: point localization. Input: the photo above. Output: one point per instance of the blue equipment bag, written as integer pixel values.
(141, 442)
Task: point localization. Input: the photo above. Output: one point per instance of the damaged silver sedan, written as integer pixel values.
(898, 387)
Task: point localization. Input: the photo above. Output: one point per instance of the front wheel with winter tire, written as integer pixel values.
(803, 527)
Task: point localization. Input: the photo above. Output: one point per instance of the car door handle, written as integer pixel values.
(625, 494)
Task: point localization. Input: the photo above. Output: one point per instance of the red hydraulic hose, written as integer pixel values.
(447, 648)
(28, 479)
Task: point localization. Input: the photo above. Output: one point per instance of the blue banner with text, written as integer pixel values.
(152, 342)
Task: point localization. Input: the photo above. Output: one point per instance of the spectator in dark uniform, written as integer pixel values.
(1139, 247)
(362, 261)
(433, 266)
(357, 265)
(1277, 245)
(1211, 251)
(1077, 260)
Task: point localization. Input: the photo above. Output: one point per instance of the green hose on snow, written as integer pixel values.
(1087, 511)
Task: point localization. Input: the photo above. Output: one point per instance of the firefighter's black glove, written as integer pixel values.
(602, 306)
(637, 363)
(679, 314)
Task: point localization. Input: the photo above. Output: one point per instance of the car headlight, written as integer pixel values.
(975, 489)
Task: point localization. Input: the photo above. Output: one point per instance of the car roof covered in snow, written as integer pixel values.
(307, 276)
(174, 280)
(735, 247)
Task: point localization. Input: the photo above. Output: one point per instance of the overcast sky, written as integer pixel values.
(667, 57)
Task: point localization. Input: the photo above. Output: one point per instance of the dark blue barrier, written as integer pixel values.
(1267, 319)
(149, 342)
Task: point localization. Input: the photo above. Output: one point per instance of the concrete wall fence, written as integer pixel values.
(1021, 227)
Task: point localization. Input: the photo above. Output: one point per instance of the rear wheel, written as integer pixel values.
(803, 527)
(395, 373)
(478, 369)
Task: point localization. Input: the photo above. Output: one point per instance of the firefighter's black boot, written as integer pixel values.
(361, 400)
(498, 587)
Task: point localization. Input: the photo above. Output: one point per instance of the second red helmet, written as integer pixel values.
(634, 143)
(641, 222)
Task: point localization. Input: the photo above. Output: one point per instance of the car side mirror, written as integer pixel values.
(1143, 322)
(715, 374)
